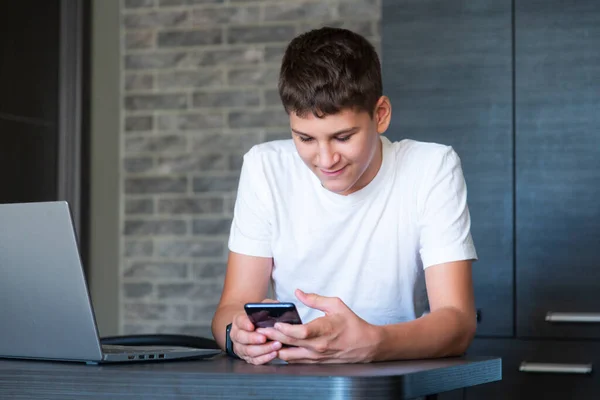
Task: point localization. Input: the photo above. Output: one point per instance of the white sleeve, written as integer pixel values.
(251, 226)
(445, 222)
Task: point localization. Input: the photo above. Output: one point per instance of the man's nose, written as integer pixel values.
(328, 157)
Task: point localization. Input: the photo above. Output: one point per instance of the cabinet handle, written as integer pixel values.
(573, 317)
(556, 368)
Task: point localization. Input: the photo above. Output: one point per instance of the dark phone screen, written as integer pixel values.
(266, 315)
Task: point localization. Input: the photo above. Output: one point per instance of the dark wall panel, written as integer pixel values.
(29, 55)
(558, 164)
(27, 160)
(447, 68)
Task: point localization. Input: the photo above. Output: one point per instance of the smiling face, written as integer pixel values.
(343, 150)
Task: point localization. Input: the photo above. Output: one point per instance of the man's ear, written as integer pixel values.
(383, 114)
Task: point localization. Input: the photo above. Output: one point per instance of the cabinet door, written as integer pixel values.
(549, 370)
(447, 68)
(558, 166)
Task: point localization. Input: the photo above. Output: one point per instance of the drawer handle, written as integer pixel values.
(556, 368)
(573, 317)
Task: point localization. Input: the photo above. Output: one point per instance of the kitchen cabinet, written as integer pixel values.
(447, 68)
(514, 87)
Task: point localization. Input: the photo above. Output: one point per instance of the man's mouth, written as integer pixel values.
(333, 172)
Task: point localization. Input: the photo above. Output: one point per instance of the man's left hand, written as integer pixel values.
(338, 337)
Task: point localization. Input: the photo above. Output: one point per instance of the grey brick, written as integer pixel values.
(299, 10)
(155, 185)
(261, 34)
(194, 330)
(236, 161)
(138, 164)
(272, 97)
(198, 37)
(137, 290)
(155, 144)
(364, 28)
(145, 311)
(212, 142)
(211, 226)
(156, 312)
(139, 206)
(187, 122)
(226, 99)
(139, 40)
(137, 329)
(253, 77)
(156, 102)
(174, 290)
(189, 249)
(270, 136)
(209, 270)
(154, 61)
(274, 54)
(138, 123)
(157, 20)
(363, 8)
(248, 55)
(207, 291)
(229, 204)
(204, 312)
(153, 270)
(139, 82)
(138, 3)
(258, 119)
(226, 15)
(192, 163)
(191, 205)
(188, 79)
(216, 183)
(138, 248)
(171, 3)
(151, 227)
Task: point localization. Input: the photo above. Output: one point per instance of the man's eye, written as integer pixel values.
(343, 138)
(305, 139)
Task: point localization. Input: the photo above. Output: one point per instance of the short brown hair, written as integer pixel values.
(326, 70)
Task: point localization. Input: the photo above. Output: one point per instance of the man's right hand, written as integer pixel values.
(249, 345)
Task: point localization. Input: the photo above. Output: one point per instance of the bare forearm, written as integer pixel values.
(223, 317)
(444, 332)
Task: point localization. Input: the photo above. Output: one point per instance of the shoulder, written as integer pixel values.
(274, 153)
(423, 158)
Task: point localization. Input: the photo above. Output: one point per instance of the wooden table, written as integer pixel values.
(225, 378)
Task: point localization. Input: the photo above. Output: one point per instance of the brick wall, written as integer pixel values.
(198, 86)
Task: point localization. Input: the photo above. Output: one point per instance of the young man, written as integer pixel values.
(370, 239)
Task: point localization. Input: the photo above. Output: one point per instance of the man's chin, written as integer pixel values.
(335, 187)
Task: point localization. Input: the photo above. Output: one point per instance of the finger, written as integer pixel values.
(315, 328)
(241, 321)
(269, 301)
(254, 351)
(246, 338)
(275, 335)
(322, 303)
(263, 359)
(294, 354)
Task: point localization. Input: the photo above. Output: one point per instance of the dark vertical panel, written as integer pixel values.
(29, 59)
(558, 164)
(520, 385)
(447, 68)
(27, 154)
(28, 100)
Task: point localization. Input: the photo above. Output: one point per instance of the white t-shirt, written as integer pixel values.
(369, 248)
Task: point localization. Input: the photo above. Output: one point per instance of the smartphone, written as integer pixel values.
(265, 315)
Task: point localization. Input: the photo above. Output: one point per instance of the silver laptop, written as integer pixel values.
(45, 308)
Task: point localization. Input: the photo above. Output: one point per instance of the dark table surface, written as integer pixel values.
(225, 378)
